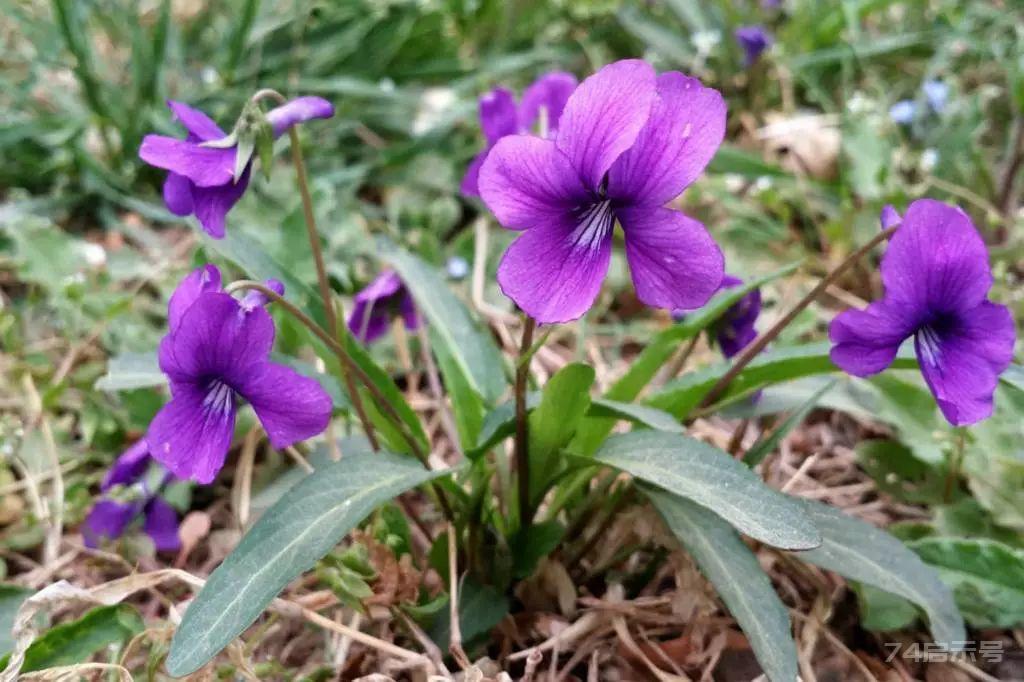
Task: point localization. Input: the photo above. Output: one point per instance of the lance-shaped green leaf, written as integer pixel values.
(643, 415)
(75, 641)
(11, 597)
(387, 388)
(563, 403)
(986, 576)
(680, 397)
(859, 551)
(710, 477)
(471, 348)
(305, 524)
(467, 406)
(500, 422)
(737, 576)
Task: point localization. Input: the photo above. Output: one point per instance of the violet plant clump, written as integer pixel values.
(562, 168)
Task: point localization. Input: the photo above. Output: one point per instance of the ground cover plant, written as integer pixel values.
(541, 341)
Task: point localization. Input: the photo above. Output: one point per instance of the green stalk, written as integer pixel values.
(321, 270)
(522, 437)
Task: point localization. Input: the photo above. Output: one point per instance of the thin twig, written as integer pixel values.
(318, 258)
(972, 671)
(533, 662)
(759, 344)
(679, 361)
(297, 457)
(838, 644)
(455, 640)
(428, 644)
(243, 477)
(1012, 168)
(627, 639)
(434, 381)
(736, 441)
(288, 608)
(573, 633)
(37, 418)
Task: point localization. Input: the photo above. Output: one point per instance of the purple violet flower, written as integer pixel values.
(937, 277)
(628, 142)
(754, 40)
(215, 352)
(202, 179)
(383, 298)
(111, 516)
(499, 116)
(735, 329)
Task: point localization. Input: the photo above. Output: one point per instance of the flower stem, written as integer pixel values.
(759, 344)
(522, 444)
(680, 359)
(350, 367)
(956, 459)
(325, 287)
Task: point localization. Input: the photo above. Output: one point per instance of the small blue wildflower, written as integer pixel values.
(936, 92)
(903, 112)
(457, 267)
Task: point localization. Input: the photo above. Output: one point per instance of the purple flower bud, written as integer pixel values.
(754, 40)
(889, 217)
(937, 279)
(736, 328)
(253, 298)
(298, 110)
(380, 301)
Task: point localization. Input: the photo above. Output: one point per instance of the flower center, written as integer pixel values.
(928, 345)
(219, 397)
(593, 223)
